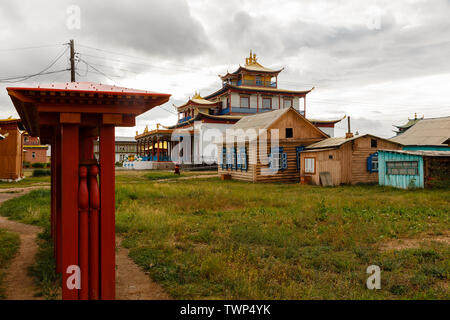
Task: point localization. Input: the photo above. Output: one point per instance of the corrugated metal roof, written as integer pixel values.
(259, 121)
(426, 153)
(427, 132)
(338, 141)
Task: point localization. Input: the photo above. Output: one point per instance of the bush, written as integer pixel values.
(41, 173)
(38, 165)
(26, 164)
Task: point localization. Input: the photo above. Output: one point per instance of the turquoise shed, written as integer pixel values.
(413, 169)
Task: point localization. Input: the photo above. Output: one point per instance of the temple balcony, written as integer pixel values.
(257, 83)
(184, 119)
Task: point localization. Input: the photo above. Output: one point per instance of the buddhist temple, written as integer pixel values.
(409, 124)
(250, 89)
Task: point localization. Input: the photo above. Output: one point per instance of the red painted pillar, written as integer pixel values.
(83, 207)
(94, 242)
(107, 214)
(52, 192)
(58, 214)
(69, 209)
(153, 148)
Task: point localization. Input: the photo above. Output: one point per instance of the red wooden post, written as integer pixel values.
(94, 244)
(83, 222)
(107, 214)
(69, 208)
(83, 207)
(58, 212)
(53, 192)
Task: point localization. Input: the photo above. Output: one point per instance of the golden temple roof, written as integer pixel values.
(252, 64)
(197, 100)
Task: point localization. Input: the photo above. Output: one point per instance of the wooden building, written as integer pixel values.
(408, 169)
(426, 134)
(33, 150)
(251, 156)
(11, 146)
(348, 160)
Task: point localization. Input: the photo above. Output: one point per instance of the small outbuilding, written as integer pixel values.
(266, 147)
(344, 160)
(11, 146)
(409, 169)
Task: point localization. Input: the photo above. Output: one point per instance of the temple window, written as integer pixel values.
(258, 81)
(267, 103)
(245, 102)
(287, 102)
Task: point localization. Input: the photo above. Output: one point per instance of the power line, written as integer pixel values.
(23, 78)
(102, 73)
(29, 48)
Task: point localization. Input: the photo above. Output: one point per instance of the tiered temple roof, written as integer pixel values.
(408, 125)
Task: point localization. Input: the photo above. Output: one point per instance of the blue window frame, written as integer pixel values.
(224, 157)
(278, 159)
(372, 162)
(229, 162)
(298, 151)
(241, 158)
(233, 158)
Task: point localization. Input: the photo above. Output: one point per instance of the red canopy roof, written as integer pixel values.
(40, 106)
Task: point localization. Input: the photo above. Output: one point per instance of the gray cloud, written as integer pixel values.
(184, 43)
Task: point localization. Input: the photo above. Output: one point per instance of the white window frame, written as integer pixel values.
(310, 165)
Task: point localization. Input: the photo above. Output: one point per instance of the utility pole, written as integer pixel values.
(72, 61)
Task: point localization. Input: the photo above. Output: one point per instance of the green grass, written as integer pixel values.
(28, 181)
(126, 176)
(225, 239)
(9, 245)
(34, 208)
(208, 239)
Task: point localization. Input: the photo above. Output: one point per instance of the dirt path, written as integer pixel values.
(17, 283)
(131, 282)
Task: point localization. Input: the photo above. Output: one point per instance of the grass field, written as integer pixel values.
(9, 244)
(207, 238)
(28, 181)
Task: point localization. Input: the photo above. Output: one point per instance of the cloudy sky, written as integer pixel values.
(376, 61)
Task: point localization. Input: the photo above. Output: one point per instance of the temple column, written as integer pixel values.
(153, 148)
(157, 149)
